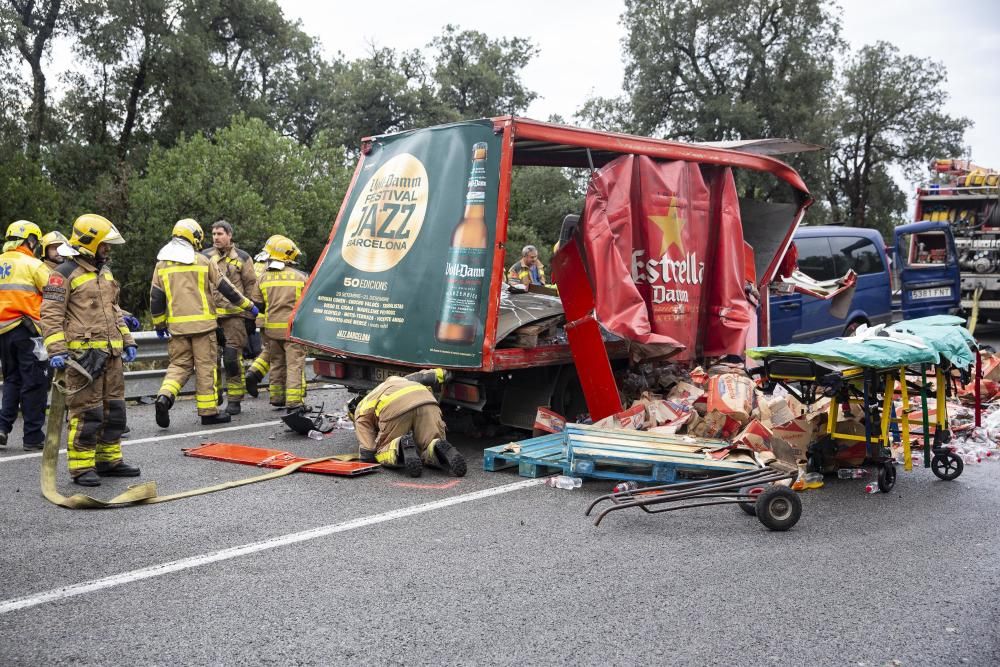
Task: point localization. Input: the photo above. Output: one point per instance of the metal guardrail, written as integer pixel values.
(151, 347)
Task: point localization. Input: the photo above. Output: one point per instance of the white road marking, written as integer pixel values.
(159, 438)
(27, 601)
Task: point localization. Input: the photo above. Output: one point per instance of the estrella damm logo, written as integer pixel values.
(387, 217)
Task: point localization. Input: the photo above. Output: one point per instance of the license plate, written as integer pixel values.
(932, 293)
(383, 374)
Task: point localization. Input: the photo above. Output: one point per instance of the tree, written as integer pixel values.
(31, 28)
(540, 197)
(888, 115)
(714, 70)
(260, 181)
(480, 77)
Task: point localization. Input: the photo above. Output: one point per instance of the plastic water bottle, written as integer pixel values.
(314, 434)
(625, 487)
(852, 473)
(872, 487)
(564, 482)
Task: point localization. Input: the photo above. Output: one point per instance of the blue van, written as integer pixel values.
(826, 253)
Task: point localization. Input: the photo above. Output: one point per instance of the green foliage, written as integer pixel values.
(539, 199)
(888, 113)
(25, 192)
(479, 77)
(261, 182)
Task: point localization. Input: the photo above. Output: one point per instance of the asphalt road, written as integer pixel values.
(484, 570)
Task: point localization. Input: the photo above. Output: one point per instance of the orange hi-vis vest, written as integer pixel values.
(22, 279)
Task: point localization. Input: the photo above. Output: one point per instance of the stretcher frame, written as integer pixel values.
(874, 389)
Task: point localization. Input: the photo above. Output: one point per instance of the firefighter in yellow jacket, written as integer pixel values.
(183, 308)
(237, 266)
(81, 317)
(262, 362)
(399, 425)
(22, 279)
(279, 287)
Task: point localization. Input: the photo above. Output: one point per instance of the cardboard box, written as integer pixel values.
(549, 421)
(634, 419)
(710, 426)
(732, 395)
(685, 392)
(799, 433)
(754, 436)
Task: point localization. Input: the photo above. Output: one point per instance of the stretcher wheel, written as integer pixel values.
(778, 508)
(750, 506)
(887, 478)
(947, 466)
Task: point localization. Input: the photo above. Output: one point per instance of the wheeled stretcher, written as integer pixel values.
(868, 371)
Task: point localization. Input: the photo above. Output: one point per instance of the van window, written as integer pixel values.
(814, 258)
(855, 252)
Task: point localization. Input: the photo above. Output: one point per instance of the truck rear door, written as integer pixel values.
(928, 268)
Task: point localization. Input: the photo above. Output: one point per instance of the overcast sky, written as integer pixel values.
(580, 44)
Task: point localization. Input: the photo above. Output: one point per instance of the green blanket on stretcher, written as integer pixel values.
(921, 341)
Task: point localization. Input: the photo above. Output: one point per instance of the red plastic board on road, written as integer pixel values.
(276, 458)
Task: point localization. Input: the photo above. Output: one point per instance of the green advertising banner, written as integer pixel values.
(405, 277)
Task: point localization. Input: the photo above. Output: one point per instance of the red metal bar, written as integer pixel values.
(978, 388)
(584, 333)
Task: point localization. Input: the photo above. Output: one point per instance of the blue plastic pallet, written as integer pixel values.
(539, 457)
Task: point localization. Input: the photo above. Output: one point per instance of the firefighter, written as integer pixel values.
(51, 244)
(22, 279)
(261, 363)
(399, 425)
(279, 288)
(182, 305)
(237, 266)
(81, 317)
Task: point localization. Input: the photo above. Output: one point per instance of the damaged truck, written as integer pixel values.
(672, 255)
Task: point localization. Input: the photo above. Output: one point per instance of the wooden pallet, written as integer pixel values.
(538, 457)
(631, 462)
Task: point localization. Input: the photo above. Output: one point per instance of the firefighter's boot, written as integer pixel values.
(409, 456)
(233, 408)
(120, 469)
(448, 458)
(366, 455)
(163, 405)
(221, 418)
(252, 379)
(88, 478)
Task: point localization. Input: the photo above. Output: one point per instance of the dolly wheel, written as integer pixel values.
(749, 506)
(778, 508)
(947, 466)
(887, 478)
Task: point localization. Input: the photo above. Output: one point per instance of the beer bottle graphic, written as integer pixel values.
(465, 269)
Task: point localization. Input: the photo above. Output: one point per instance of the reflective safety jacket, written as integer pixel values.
(237, 266)
(394, 397)
(22, 279)
(80, 310)
(519, 273)
(279, 290)
(182, 296)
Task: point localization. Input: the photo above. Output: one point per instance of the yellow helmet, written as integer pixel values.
(23, 229)
(189, 230)
(53, 238)
(281, 248)
(91, 230)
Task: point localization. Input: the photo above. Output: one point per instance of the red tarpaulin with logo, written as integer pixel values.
(665, 250)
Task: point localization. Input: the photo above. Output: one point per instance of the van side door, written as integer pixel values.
(873, 293)
(929, 271)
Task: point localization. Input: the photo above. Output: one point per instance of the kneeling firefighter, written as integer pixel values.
(399, 425)
(80, 316)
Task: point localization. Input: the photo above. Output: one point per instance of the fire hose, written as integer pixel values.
(138, 494)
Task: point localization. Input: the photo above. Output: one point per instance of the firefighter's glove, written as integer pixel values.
(129, 353)
(132, 322)
(162, 334)
(58, 361)
(93, 361)
(254, 311)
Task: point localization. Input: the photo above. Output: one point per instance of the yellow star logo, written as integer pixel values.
(671, 225)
